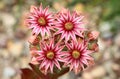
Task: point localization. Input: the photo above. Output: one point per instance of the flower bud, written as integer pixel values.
(34, 61)
(93, 46)
(93, 35)
(34, 39)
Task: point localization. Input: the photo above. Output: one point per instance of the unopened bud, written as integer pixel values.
(34, 39)
(93, 46)
(93, 35)
(34, 61)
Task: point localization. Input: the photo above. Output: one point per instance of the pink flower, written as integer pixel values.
(77, 56)
(49, 56)
(69, 25)
(40, 20)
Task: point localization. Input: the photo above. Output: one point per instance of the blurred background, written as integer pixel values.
(100, 15)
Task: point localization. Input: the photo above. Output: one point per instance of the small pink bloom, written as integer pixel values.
(40, 20)
(77, 56)
(69, 25)
(49, 56)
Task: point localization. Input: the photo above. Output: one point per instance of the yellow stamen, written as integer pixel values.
(42, 21)
(68, 26)
(76, 54)
(50, 55)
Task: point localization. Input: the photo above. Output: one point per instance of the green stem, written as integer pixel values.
(37, 71)
(49, 75)
(63, 71)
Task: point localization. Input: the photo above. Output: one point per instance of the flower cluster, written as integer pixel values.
(59, 40)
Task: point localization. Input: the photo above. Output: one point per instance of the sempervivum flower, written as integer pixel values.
(40, 20)
(77, 56)
(49, 56)
(69, 25)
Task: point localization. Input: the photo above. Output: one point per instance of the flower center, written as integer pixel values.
(76, 54)
(68, 26)
(50, 55)
(42, 21)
